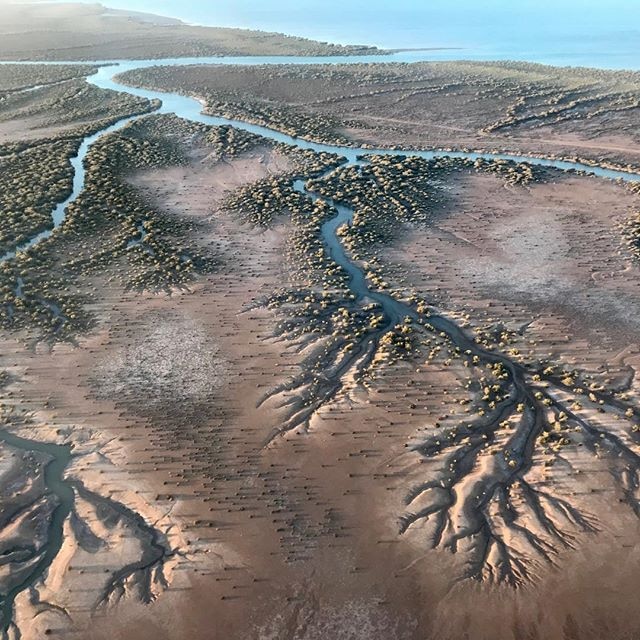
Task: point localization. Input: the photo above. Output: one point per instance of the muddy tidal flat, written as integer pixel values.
(253, 389)
(508, 106)
(92, 31)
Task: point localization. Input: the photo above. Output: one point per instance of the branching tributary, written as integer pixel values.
(507, 524)
(486, 507)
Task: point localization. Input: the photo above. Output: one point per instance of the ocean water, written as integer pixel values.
(600, 33)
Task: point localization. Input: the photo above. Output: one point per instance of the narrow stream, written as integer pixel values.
(58, 214)
(54, 480)
(394, 310)
(190, 109)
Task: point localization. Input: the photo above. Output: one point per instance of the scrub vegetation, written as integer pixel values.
(503, 105)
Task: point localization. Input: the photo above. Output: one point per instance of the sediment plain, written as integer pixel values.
(83, 31)
(419, 420)
(509, 106)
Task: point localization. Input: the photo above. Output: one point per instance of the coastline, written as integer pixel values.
(409, 27)
(280, 374)
(610, 57)
(52, 31)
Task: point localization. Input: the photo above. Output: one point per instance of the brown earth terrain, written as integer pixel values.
(75, 31)
(300, 539)
(517, 107)
(253, 451)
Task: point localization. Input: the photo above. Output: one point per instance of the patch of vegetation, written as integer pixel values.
(68, 103)
(109, 228)
(32, 183)
(435, 104)
(37, 175)
(18, 77)
(153, 243)
(631, 234)
(391, 191)
(262, 202)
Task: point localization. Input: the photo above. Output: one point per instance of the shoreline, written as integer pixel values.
(171, 397)
(281, 378)
(180, 35)
(385, 57)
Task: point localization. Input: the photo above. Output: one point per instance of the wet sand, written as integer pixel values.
(190, 521)
(300, 540)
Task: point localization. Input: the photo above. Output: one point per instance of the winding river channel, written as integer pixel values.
(191, 109)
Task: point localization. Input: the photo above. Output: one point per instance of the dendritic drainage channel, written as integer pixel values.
(481, 508)
(56, 506)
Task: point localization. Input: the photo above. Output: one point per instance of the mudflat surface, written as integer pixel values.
(510, 106)
(254, 447)
(74, 31)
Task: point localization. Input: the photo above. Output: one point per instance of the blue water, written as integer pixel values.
(190, 109)
(599, 33)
